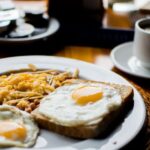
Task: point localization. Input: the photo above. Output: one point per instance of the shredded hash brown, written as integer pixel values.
(26, 89)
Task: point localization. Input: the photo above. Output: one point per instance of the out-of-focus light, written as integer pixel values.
(124, 7)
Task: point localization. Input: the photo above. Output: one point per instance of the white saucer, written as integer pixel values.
(123, 59)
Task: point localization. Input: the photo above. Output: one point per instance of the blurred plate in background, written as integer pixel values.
(51, 29)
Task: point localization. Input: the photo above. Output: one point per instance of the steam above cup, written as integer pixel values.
(141, 44)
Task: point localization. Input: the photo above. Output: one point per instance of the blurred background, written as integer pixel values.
(32, 25)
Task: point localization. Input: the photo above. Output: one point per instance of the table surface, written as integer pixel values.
(101, 57)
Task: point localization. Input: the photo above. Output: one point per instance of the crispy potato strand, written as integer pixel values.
(26, 89)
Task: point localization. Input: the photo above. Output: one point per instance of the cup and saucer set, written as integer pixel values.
(134, 57)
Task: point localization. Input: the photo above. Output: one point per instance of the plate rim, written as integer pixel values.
(118, 65)
(96, 67)
(52, 22)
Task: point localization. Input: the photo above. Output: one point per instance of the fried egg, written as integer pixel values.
(17, 128)
(80, 103)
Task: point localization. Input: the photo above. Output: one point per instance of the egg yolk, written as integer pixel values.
(87, 94)
(12, 131)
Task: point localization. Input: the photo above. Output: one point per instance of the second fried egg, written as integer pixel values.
(17, 128)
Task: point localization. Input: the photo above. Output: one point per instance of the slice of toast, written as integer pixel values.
(93, 130)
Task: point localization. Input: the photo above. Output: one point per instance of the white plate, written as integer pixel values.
(124, 133)
(53, 27)
(122, 57)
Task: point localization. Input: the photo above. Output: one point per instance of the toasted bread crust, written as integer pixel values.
(90, 131)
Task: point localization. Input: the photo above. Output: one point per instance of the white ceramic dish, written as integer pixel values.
(123, 59)
(124, 133)
(53, 27)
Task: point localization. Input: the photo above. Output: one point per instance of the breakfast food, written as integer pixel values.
(57, 101)
(17, 128)
(82, 109)
(25, 89)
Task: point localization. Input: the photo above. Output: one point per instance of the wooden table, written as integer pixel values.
(100, 57)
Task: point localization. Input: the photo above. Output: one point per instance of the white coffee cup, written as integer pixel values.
(141, 46)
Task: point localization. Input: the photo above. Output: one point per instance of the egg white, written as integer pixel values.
(60, 108)
(15, 115)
